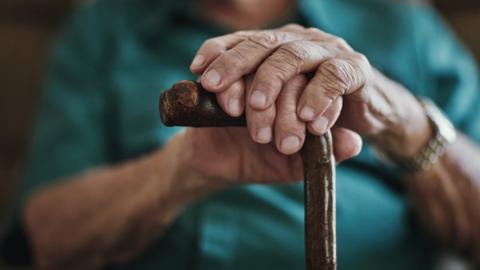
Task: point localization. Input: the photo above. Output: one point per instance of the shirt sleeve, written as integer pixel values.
(69, 131)
(451, 76)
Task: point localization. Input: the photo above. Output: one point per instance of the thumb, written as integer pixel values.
(346, 143)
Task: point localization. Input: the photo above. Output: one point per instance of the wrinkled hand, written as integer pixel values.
(277, 108)
(225, 156)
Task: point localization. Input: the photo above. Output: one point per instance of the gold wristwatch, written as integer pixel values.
(444, 135)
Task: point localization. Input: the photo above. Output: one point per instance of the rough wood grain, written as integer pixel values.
(319, 186)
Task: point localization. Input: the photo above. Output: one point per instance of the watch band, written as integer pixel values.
(444, 135)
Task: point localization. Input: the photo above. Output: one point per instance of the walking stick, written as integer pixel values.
(188, 104)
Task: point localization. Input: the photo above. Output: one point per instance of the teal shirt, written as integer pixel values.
(99, 108)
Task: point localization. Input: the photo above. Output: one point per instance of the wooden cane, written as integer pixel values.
(188, 104)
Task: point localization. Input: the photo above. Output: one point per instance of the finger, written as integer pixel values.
(211, 49)
(357, 116)
(260, 124)
(232, 99)
(335, 77)
(324, 122)
(346, 143)
(286, 62)
(289, 129)
(243, 58)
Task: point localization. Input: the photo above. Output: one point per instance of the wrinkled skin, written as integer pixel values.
(287, 81)
(231, 156)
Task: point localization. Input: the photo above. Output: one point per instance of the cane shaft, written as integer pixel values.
(319, 188)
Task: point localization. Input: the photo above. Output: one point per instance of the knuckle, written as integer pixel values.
(275, 69)
(285, 127)
(294, 54)
(360, 70)
(345, 74)
(360, 58)
(315, 31)
(362, 63)
(335, 70)
(261, 118)
(265, 39)
(285, 63)
(335, 78)
(287, 109)
(271, 73)
(287, 122)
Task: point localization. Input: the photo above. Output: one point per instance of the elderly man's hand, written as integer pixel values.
(253, 67)
(229, 156)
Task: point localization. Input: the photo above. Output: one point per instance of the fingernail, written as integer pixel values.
(359, 143)
(198, 61)
(307, 113)
(320, 125)
(234, 106)
(290, 144)
(212, 78)
(264, 135)
(258, 99)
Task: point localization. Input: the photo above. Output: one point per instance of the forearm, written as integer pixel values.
(447, 198)
(108, 215)
(447, 194)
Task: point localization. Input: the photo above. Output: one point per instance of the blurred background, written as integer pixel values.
(27, 29)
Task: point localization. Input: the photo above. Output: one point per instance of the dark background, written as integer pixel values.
(27, 28)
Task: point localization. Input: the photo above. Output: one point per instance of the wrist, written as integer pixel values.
(406, 137)
(181, 182)
(442, 134)
(406, 128)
